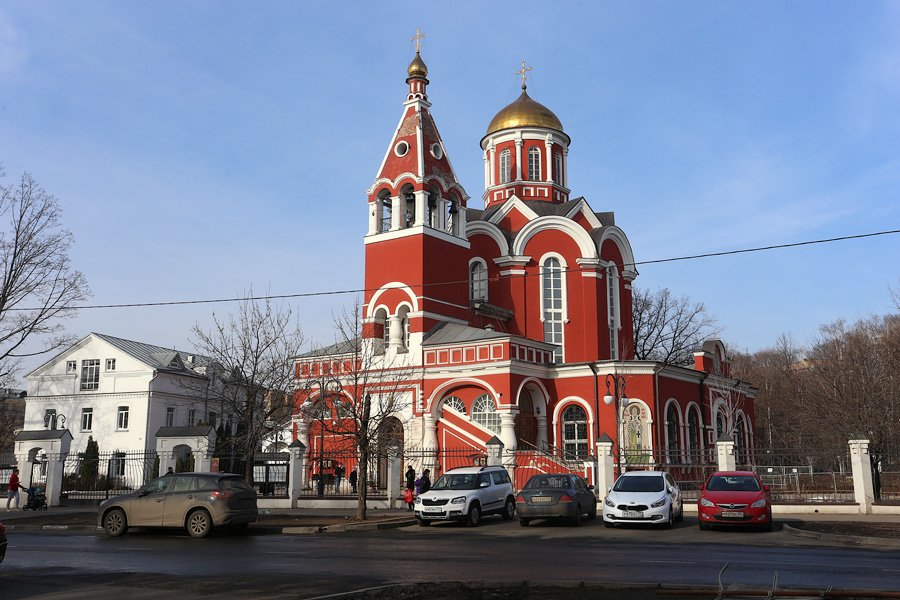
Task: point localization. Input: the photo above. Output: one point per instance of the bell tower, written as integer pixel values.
(416, 246)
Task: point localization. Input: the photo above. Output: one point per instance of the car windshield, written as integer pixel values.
(542, 482)
(733, 483)
(639, 483)
(456, 482)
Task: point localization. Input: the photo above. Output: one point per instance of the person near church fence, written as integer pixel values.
(423, 483)
(12, 489)
(353, 478)
(410, 486)
(338, 474)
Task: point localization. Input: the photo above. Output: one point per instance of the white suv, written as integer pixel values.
(467, 494)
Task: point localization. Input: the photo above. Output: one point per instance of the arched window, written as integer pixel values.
(534, 164)
(383, 321)
(693, 436)
(409, 206)
(740, 441)
(485, 413)
(478, 282)
(504, 166)
(403, 313)
(453, 216)
(431, 218)
(721, 424)
(634, 434)
(454, 403)
(672, 445)
(612, 303)
(384, 208)
(557, 168)
(552, 310)
(575, 432)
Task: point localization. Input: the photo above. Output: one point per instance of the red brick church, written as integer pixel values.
(513, 319)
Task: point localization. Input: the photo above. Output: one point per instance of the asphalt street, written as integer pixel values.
(150, 564)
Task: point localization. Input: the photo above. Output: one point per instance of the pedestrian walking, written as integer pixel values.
(423, 483)
(338, 474)
(410, 486)
(12, 489)
(353, 479)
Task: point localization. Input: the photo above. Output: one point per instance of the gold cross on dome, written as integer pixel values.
(523, 72)
(418, 39)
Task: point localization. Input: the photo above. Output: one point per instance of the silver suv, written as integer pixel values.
(467, 494)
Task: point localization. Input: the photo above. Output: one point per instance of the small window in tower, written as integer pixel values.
(478, 282)
(408, 207)
(504, 166)
(401, 148)
(384, 206)
(436, 151)
(534, 164)
(557, 168)
(432, 217)
(453, 217)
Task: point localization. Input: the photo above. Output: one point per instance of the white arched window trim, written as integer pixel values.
(478, 288)
(679, 422)
(534, 164)
(504, 166)
(561, 313)
(694, 409)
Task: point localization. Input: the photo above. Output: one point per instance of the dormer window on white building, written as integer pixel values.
(534, 164)
(71, 366)
(90, 374)
(110, 364)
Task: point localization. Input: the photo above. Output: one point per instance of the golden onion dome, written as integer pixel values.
(417, 67)
(524, 112)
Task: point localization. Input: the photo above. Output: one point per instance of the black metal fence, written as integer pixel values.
(89, 478)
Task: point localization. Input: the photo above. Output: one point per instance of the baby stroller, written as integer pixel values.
(37, 499)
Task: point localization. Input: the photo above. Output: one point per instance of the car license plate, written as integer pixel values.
(432, 509)
(537, 499)
(632, 514)
(730, 514)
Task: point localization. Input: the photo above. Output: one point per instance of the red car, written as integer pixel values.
(735, 498)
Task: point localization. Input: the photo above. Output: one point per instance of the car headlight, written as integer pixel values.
(458, 500)
(418, 500)
(658, 503)
(705, 502)
(609, 502)
(758, 503)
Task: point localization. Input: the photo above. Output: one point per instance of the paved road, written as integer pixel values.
(169, 565)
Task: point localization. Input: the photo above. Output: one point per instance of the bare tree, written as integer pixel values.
(354, 390)
(249, 375)
(667, 328)
(39, 286)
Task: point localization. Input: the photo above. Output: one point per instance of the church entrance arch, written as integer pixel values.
(531, 420)
(390, 434)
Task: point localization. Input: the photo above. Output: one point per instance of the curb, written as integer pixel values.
(352, 527)
(855, 540)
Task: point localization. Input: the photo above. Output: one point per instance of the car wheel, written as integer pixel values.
(670, 522)
(199, 523)
(509, 511)
(524, 522)
(115, 523)
(576, 520)
(423, 523)
(608, 524)
(474, 515)
(768, 525)
(703, 526)
(680, 516)
(592, 514)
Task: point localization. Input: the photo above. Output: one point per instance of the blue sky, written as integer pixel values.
(203, 148)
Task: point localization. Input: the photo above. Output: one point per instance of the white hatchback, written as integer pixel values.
(643, 497)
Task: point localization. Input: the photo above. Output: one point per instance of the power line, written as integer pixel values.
(466, 281)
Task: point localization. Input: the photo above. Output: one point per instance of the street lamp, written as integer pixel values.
(615, 394)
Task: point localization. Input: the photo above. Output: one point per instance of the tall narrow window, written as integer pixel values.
(409, 215)
(534, 164)
(87, 419)
(485, 413)
(552, 311)
(403, 313)
(122, 418)
(693, 436)
(575, 432)
(453, 217)
(170, 416)
(612, 301)
(432, 217)
(672, 445)
(383, 322)
(50, 418)
(384, 205)
(90, 374)
(557, 168)
(192, 417)
(504, 166)
(478, 282)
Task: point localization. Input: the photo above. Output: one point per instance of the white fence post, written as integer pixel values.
(395, 454)
(605, 466)
(725, 453)
(296, 470)
(863, 490)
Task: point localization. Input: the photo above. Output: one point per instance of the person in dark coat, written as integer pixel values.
(353, 478)
(423, 484)
(410, 485)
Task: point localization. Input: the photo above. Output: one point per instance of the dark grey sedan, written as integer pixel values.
(556, 496)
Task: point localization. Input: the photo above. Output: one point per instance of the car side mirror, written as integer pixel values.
(609, 489)
(484, 484)
(142, 492)
(590, 487)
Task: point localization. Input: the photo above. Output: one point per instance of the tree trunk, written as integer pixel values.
(363, 480)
